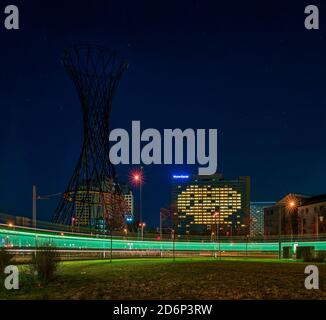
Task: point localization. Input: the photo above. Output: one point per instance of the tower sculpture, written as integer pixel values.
(93, 196)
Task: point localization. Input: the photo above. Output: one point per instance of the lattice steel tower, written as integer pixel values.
(93, 197)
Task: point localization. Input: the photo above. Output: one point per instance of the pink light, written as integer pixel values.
(136, 177)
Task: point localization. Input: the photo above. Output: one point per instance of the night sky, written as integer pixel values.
(248, 68)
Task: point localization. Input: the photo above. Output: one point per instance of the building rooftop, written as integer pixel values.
(315, 199)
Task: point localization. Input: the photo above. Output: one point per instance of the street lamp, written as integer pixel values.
(142, 225)
(216, 215)
(173, 243)
(137, 178)
(290, 204)
(36, 197)
(73, 223)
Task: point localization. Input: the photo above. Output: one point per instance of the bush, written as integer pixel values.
(320, 257)
(308, 257)
(45, 263)
(306, 253)
(6, 259)
(287, 252)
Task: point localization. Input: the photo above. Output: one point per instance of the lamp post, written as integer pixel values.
(161, 234)
(279, 232)
(290, 205)
(36, 197)
(231, 230)
(173, 243)
(138, 179)
(247, 239)
(73, 221)
(320, 221)
(111, 244)
(317, 226)
(142, 225)
(216, 215)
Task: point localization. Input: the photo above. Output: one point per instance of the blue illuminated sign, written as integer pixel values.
(181, 176)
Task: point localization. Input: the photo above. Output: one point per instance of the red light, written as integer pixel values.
(136, 177)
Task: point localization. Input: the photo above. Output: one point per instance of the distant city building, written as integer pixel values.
(312, 215)
(129, 197)
(96, 208)
(283, 216)
(86, 214)
(205, 204)
(166, 219)
(257, 217)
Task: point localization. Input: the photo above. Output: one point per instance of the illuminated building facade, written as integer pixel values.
(96, 208)
(205, 204)
(282, 217)
(129, 198)
(312, 216)
(100, 210)
(257, 217)
(84, 214)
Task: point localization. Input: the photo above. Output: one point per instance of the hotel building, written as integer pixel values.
(207, 204)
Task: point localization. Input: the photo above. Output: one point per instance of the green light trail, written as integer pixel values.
(29, 240)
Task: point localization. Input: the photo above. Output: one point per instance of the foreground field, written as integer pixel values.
(165, 279)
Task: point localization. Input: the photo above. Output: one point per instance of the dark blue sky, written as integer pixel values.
(247, 68)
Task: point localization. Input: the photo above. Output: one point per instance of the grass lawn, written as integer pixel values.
(197, 278)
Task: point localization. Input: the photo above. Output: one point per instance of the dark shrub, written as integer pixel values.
(308, 257)
(320, 257)
(307, 253)
(6, 258)
(311, 256)
(45, 263)
(287, 252)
